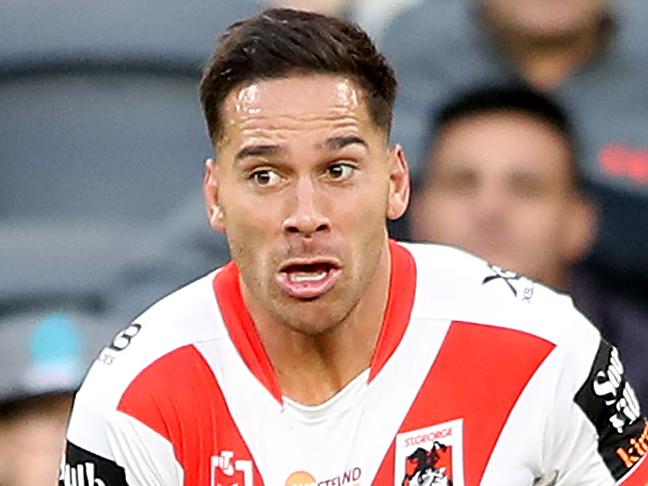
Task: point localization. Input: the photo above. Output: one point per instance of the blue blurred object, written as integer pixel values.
(45, 351)
(56, 354)
(56, 339)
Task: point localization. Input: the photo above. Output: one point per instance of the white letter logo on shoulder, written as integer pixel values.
(610, 386)
(81, 475)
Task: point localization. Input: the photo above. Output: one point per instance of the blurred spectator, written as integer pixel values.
(501, 180)
(44, 356)
(589, 53)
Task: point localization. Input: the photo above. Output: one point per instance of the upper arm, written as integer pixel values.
(598, 428)
(121, 453)
(109, 448)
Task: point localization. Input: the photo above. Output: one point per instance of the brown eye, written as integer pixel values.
(340, 172)
(528, 186)
(265, 178)
(457, 182)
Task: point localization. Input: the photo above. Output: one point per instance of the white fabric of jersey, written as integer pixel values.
(546, 439)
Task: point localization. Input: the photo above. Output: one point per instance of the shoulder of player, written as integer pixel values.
(584, 374)
(183, 318)
(455, 285)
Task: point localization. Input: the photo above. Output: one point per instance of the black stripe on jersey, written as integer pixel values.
(610, 403)
(84, 468)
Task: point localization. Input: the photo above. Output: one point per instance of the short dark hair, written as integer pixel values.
(280, 42)
(509, 98)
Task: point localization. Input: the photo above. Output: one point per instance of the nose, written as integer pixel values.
(490, 207)
(305, 216)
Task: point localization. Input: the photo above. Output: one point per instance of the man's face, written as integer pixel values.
(32, 442)
(547, 19)
(500, 186)
(302, 186)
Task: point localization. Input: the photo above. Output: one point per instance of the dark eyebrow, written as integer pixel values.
(337, 143)
(257, 151)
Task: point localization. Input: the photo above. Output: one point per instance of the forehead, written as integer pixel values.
(498, 141)
(294, 104)
(553, 6)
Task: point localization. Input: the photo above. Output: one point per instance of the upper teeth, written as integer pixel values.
(307, 276)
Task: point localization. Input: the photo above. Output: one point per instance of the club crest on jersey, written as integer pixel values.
(432, 456)
(228, 471)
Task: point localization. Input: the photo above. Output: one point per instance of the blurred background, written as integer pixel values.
(102, 145)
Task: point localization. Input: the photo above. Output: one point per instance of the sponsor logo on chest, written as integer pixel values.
(350, 477)
(430, 456)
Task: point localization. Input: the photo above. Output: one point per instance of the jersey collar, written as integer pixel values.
(243, 332)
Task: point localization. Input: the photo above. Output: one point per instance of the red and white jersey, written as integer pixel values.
(480, 377)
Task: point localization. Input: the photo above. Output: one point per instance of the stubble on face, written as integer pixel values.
(298, 114)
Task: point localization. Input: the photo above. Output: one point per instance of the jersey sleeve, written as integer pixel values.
(599, 434)
(106, 447)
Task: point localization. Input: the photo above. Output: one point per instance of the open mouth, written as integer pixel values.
(308, 279)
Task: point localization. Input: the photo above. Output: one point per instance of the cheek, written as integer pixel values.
(362, 211)
(249, 238)
(246, 217)
(540, 224)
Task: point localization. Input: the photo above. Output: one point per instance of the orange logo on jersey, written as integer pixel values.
(638, 448)
(350, 477)
(301, 478)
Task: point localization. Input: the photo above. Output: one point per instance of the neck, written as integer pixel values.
(313, 368)
(557, 279)
(546, 63)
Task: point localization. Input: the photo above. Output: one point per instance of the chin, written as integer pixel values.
(311, 318)
(312, 328)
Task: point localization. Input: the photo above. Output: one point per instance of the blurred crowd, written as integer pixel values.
(525, 124)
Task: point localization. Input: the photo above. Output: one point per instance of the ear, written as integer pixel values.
(399, 183)
(581, 229)
(211, 194)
